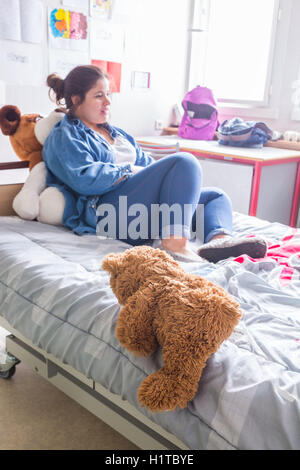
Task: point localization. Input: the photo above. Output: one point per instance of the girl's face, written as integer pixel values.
(96, 105)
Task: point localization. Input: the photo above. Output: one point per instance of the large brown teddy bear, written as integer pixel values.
(162, 304)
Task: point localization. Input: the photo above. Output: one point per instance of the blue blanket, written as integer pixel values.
(54, 292)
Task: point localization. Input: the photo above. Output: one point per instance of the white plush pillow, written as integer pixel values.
(27, 202)
(44, 126)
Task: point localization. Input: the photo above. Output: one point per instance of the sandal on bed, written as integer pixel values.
(228, 246)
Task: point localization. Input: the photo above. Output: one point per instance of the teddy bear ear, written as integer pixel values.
(110, 263)
(10, 117)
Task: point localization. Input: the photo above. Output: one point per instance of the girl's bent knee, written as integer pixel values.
(186, 158)
(221, 193)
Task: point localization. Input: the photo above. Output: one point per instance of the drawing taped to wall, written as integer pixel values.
(101, 8)
(68, 29)
(68, 24)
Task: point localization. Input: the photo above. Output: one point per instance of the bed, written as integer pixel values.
(57, 303)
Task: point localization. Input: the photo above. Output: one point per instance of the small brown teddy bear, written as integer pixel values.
(20, 130)
(162, 304)
(28, 132)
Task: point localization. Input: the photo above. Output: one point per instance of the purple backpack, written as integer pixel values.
(200, 119)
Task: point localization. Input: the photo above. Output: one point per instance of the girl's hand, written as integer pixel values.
(134, 169)
(119, 180)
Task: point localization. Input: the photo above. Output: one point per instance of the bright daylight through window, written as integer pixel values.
(239, 53)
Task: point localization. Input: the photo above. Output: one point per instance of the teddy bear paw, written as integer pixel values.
(26, 204)
(162, 392)
(51, 206)
(139, 343)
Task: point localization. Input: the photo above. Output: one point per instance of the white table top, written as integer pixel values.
(213, 147)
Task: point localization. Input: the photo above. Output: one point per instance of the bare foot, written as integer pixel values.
(220, 235)
(174, 244)
(179, 246)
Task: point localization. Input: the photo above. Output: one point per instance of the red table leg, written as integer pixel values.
(295, 207)
(255, 188)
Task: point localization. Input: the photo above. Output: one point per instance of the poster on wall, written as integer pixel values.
(67, 29)
(114, 72)
(101, 8)
(21, 20)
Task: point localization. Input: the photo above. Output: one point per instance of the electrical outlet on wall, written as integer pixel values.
(158, 125)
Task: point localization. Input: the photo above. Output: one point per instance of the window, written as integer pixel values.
(232, 48)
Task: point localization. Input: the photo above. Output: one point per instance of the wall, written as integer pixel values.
(155, 41)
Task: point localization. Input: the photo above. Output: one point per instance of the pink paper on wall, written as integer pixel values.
(113, 70)
(78, 26)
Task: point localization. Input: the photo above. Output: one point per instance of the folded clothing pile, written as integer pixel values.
(239, 133)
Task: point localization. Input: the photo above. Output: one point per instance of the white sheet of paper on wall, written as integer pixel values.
(31, 13)
(10, 22)
(62, 62)
(21, 20)
(21, 63)
(107, 41)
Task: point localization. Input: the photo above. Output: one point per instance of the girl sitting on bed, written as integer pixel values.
(93, 163)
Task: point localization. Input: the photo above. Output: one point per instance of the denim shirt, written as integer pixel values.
(80, 163)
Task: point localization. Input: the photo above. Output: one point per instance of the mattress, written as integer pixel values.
(54, 292)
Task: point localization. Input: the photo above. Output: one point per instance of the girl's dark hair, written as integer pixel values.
(78, 82)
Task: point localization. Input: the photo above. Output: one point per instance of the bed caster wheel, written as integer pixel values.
(8, 373)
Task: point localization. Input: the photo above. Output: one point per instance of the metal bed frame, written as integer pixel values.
(110, 408)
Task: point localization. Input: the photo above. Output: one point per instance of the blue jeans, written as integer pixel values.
(175, 179)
